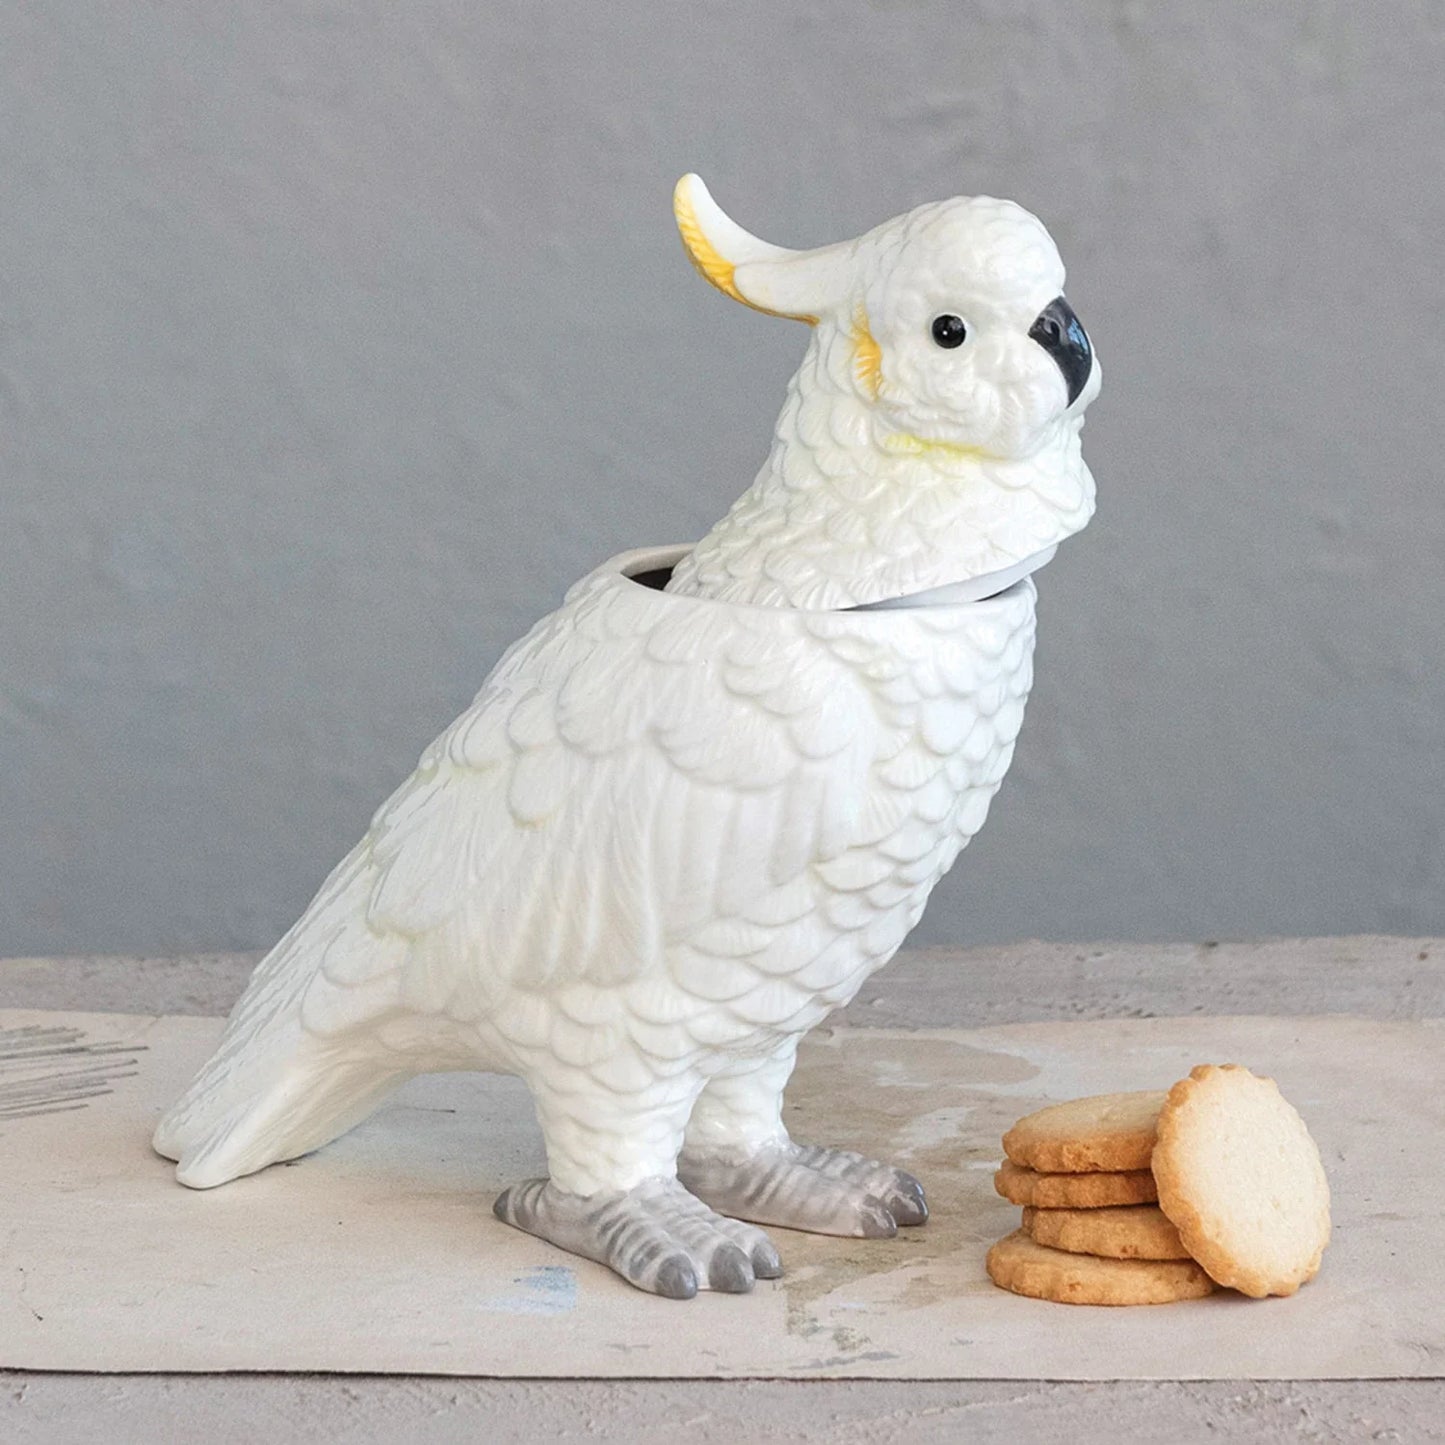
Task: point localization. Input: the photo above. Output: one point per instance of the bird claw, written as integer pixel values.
(656, 1236)
(808, 1187)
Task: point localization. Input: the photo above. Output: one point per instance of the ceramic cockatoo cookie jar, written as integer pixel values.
(696, 806)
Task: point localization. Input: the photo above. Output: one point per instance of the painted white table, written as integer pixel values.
(1370, 977)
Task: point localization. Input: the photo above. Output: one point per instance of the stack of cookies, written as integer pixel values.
(1144, 1198)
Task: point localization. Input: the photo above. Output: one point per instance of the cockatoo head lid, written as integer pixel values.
(930, 439)
(953, 315)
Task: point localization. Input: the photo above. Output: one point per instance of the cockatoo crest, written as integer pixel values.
(931, 435)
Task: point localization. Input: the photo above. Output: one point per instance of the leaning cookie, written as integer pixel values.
(1021, 1266)
(1105, 1131)
(1073, 1191)
(1132, 1231)
(1241, 1179)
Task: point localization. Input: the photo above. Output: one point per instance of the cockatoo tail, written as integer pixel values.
(695, 807)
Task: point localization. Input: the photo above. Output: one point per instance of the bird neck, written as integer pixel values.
(846, 511)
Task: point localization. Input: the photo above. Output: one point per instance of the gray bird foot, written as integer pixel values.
(656, 1236)
(808, 1187)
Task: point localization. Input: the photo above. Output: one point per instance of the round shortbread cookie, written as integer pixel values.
(1242, 1181)
(1106, 1131)
(1022, 1266)
(1073, 1191)
(1130, 1231)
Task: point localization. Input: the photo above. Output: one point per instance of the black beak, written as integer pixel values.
(1062, 335)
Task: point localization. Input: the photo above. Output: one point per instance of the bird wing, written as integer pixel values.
(647, 788)
(637, 769)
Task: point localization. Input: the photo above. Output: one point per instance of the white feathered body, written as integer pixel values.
(670, 834)
(677, 827)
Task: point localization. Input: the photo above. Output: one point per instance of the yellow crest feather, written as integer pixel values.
(867, 355)
(711, 265)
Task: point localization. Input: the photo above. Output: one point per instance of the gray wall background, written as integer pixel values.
(336, 339)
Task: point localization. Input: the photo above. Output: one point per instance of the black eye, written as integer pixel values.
(949, 331)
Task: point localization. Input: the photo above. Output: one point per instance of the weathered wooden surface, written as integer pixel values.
(1372, 977)
(951, 987)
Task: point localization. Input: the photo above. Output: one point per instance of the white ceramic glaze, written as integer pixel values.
(898, 465)
(972, 589)
(667, 838)
(680, 825)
